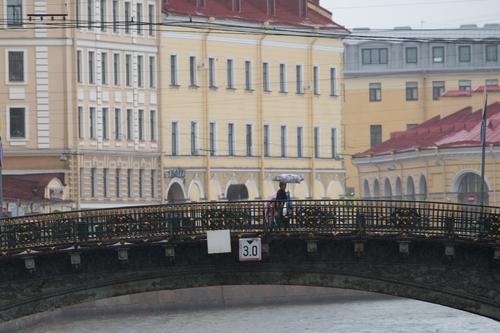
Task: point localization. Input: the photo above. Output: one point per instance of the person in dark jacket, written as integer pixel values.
(281, 199)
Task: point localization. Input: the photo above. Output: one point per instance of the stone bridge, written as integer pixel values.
(447, 254)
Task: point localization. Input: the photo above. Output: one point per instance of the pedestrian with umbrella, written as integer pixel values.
(283, 200)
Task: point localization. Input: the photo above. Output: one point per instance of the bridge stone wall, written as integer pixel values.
(469, 280)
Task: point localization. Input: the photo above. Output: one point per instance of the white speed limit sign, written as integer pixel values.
(250, 249)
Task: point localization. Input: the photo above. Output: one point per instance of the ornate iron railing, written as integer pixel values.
(363, 218)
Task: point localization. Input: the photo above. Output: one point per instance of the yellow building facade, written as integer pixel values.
(391, 86)
(244, 104)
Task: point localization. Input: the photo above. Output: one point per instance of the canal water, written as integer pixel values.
(363, 315)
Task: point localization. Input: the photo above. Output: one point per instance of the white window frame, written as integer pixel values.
(316, 80)
(140, 74)
(118, 135)
(194, 144)
(193, 71)
(92, 124)
(6, 18)
(117, 74)
(317, 142)
(333, 81)
(266, 88)
(284, 142)
(152, 72)
(107, 127)
(252, 143)
(300, 144)
(212, 72)
(177, 137)
(94, 78)
(25, 67)
(105, 71)
(80, 67)
(213, 151)
(230, 84)
(116, 30)
(81, 121)
(249, 75)
(269, 140)
(174, 69)
(153, 126)
(299, 77)
(18, 141)
(151, 32)
(283, 83)
(129, 71)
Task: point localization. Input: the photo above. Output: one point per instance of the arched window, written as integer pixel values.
(175, 193)
(376, 189)
(410, 189)
(469, 189)
(366, 189)
(237, 192)
(387, 189)
(399, 190)
(422, 189)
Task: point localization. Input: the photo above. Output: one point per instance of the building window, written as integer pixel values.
(213, 139)
(138, 14)
(140, 71)
(82, 182)
(117, 182)
(211, 73)
(333, 81)
(129, 183)
(79, 66)
(491, 83)
(128, 70)
(78, 13)
(152, 72)
(16, 66)
(17, 123)
(464, 53)
(411, 55)
(237, 6)
(175, 136)
(492, 53)
(14, 13)
(283, 141)
(375, 92)
(91, 68)
(410, 126)
(266, 140)
(411, 91)
(464, 85)
(375, 135)
(103, 15)
(249, 139)
(316, 80)
(93, 182)
(80, 122)
(154, 181)
(194, 138)
(317, 143)
(152, 125)
(303, 8)
(90, 14)
(230, 74)
(141, 183)
(92, 122)
(283, 85)
(248, 75)
(151, 17)
(230, 139)
(116, 69)
(105, 123)
(270, 8)
(104, 68)
(438, 54)
(140, 116)
(105, 182)
(334, 142)
(115, 15)
(265, 77)
(129, 124)
(127, 17)
(375, 56)
(193, 82)
(299, 79)
(173, 70)
(437, 89)
(300, 141)
(118, 124)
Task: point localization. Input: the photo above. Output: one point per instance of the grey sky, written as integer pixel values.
(416, 13)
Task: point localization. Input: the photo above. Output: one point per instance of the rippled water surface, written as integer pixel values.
(386, 315)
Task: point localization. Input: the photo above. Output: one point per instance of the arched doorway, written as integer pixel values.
(366, 189)
(469, 189)
(387, 189)
(422, 188)
(410, 189)
(376, 189)
(175, 193)
(237, 192)
(399, 190)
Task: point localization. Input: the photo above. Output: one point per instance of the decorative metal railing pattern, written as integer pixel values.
(363, 218)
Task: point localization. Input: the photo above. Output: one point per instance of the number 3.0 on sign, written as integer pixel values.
(250, 249)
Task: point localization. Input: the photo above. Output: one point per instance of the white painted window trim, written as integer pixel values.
(120, 65)
(269, 75)
(195, 72)
(142, 76)
(106, 73)
(154, 72)
(317, 81)
(317, 145)
(119, 11)
(176, 81)
(82, 124)
(251, 72)
(88, 67)
(5, 14)
(232, 76)
(285, 141)
(215, 138)
(215, 81)
(94, 124)
(82, 65)
(301, 143)
(25, 66)
(153, 36)
(285, 78)
(177, 137)
(18, 141)
(301, 89)
(108, 128)
(335, 81)
(252, 146)
(131, 73)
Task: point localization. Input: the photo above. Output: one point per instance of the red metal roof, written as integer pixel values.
(286, 12)
(28, 187)
(460, 129)
(457, 93)
(488, 88)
